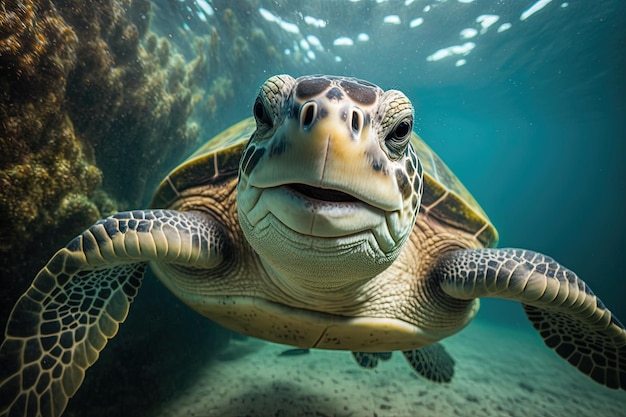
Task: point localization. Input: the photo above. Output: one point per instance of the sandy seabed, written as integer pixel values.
(499, 372)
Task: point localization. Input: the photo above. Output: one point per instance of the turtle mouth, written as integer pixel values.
(312, 212)
(322, 194)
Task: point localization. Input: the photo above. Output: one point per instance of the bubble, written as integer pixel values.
(468, 33)
(503, 27)
(313, 21)
(208, 10)
(416, 22)
(315, 42)
(534, 9)
(464, 49)
(393, 19)
(343, 41)
(201, 15)
(486, 20)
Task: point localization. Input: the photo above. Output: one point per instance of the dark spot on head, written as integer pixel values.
(311, 87)
(410, 168)
(359, 92)
(253, 160)
(411, 151)
(334, 94)
(323, 112)
(246, 155)
(279, 144)
(414, 202)
(419, 168)
(377, 165)
(417, 185)
(403, 184)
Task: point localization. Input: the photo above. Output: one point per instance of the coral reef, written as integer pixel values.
(89, 122)
(44, 170)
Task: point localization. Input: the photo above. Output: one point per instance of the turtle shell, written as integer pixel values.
(444, 198)
(217, 160)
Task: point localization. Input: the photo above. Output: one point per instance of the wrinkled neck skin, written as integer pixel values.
(312, 291)
(319, 274)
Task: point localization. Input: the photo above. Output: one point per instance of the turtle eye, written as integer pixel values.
(402, 130)
(261, 114)
(399, 137)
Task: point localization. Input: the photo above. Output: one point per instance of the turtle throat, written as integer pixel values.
(314, 269)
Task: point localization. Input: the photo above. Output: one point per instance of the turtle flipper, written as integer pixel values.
(369, 360)
(432, 362)
(566, 313)
(61, 323)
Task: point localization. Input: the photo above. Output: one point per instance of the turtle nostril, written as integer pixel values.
(307, 114)
(357, 121)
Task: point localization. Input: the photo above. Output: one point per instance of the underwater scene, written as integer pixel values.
(105, 103)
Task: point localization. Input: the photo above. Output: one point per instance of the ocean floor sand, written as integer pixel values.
(499, 372)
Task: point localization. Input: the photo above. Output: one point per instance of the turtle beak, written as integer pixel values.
(328, 144)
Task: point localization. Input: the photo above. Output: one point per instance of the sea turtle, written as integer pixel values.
(323, 222)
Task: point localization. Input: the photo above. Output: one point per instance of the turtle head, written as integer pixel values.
(329, 184)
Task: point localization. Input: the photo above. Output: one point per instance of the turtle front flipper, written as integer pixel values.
(61, 323)
(561, 307)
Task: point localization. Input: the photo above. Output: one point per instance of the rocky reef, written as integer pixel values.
(47, 174)
(87, 117)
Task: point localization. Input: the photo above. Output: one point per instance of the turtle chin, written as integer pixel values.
(319, 238)
(313, 262)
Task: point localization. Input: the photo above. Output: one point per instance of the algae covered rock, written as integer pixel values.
(87, 118)
(41, 159)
